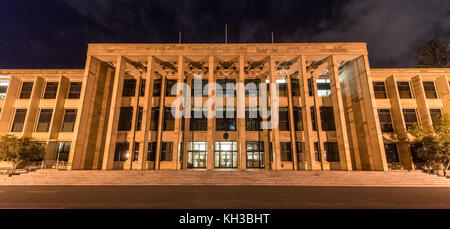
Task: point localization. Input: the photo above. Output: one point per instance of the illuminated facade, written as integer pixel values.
(328, 110)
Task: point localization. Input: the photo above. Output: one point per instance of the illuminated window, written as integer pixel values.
(3, 88)
(63, 151)
(281, 87)
(122, 151)
(197, 152)
(323, 87)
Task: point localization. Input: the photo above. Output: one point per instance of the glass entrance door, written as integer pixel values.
(225, 155)
(197, 155)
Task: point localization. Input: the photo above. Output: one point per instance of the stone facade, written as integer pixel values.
(322, 82)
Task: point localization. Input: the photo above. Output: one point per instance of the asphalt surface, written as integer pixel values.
(222, 197)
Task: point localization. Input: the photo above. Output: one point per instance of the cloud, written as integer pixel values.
(393, 29)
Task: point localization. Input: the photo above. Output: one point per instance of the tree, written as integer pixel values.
(435, 53)
(436, 142)
(20, 151)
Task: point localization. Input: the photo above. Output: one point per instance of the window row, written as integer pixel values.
(226, 119)
(409, 115)
(225, 153)
(44, 120)
(50, 91)
(404, 90)
(225, 87)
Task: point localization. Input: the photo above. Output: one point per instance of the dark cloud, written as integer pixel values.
(54, 33)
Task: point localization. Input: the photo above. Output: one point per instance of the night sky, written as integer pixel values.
(55, 33)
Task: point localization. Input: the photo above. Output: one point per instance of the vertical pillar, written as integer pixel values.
(160, 122)
(263, 101)
(399, 123)
(178, 119)
(339, 116)
(274, 107)
(146, 113)
(33, 108)
(421, 100)
(8, 111)
(443, 89)
(58, 109)
(306, 113)
(241, 115)
(134, 118)
(292, 125)
(111, 134)
(108, 74)
(211, 115)
(320, 138)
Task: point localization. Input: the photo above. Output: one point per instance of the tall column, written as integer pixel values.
(111, 134)
(8, 111)
(421, 100)
(320, 137)
(103, 120)
(399, 123)
(33, 109)
(211, 116)
(263, 102)
(306, 113)
(160, 122)
(292, 125)
(178, 130)
(377, 156)
(274, 107)
(241, 115)
(339, 116)
(58, 108)
(146, 113)
(132, 148)
(443, 89)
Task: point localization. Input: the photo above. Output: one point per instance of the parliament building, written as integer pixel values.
(326, 108)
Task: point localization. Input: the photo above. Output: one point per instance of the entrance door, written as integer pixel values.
(197, 155)
(225, 155)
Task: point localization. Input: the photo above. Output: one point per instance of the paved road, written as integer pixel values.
(192, 197)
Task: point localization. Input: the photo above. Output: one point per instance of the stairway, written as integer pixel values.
(236, 178)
